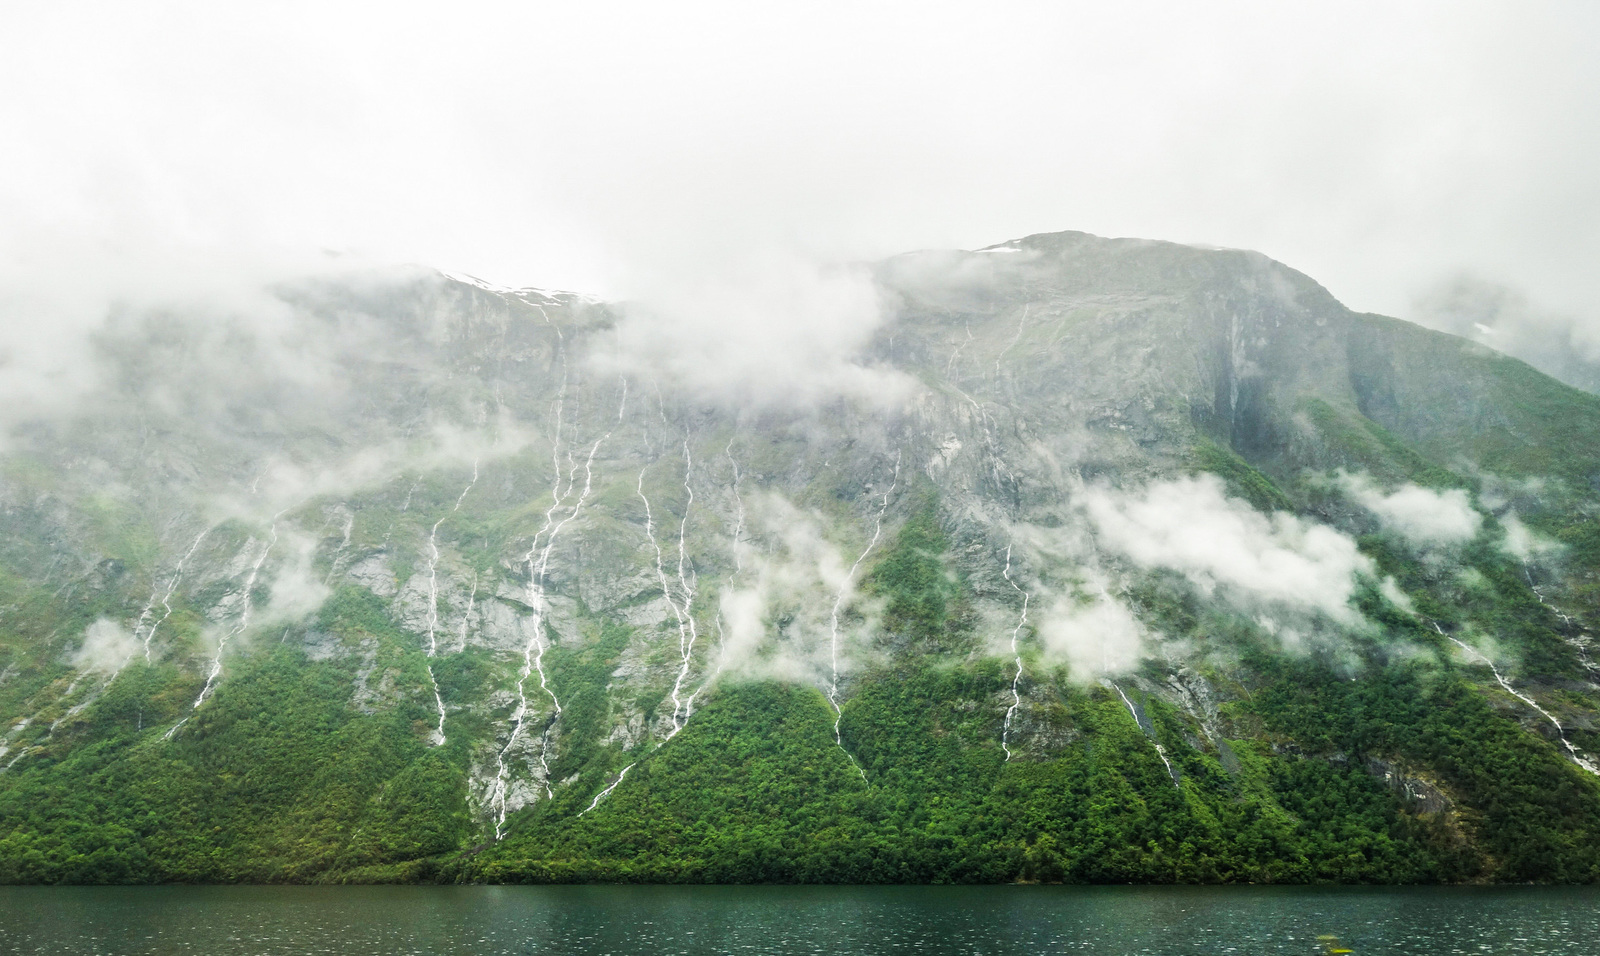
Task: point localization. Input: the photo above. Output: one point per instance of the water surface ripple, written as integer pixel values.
(758, 921)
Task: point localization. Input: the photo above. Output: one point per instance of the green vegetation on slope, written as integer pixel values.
(284, 776)
(277, 778)
(319, 769)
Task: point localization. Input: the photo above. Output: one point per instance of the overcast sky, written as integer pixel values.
(1380, 147)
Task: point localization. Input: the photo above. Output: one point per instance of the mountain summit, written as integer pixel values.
(1081, 559)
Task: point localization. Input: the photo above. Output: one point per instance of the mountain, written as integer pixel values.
(1499, 317)
(1091, 560)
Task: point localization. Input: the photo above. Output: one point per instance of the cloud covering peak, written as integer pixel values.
(769, 330)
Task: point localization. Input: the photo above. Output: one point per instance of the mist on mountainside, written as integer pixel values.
(1501, 318)
(531, 573)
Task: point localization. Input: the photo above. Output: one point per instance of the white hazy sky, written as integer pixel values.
(1379, 147)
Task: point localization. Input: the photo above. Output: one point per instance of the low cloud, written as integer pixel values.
(777, 616)
(1505, 319)
(76, 305)
(106, 647)
(297, 591)
(1095, 637)
(1423, 517)
(285, 485)
(952, 279)
(1222, 544)
(775, 331)
(1392, 593)
(1522, 543)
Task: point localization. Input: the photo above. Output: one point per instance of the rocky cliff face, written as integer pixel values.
(1087, 473)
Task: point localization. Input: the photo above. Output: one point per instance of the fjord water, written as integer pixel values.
(927, 921)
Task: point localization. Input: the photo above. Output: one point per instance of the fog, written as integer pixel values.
(781, 332)
(774, 621)
(727, 172)
(1095, 636)
(106, 647)
(1565, 345)
(1226, 547)
(1423, 517)
(669, 155)
(1522, 543)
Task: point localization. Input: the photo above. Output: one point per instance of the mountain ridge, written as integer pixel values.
(1124, 560)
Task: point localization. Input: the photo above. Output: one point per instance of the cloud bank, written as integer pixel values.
(170, 144)
(1522, 543)
(1095, 636)
(1563, 344)
(769, 331)
(1423, 517)
(775, 615)
(106, 647)
(1223, 545)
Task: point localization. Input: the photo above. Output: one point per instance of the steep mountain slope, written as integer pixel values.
(1124, 561)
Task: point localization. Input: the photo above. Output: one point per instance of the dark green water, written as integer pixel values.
(927, 921)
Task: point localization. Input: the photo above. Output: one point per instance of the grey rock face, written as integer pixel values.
(483, 465)
(1425, 796)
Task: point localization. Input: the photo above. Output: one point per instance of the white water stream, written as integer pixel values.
(833, 619)
(538, 561)
(1473, 653)
(433, 603)
(1021, 324)
(244, 614)
(955, 353)
(344, 543)
(1016, 679)
(1579, 644)
(144, 628)
(239, 627)
(166, 598)
(607, 791)
(686, 637)
(533, 651)
(10, 736)
(1160, 750)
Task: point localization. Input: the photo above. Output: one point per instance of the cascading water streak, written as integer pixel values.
(344, 543)
(686, 637)
(1016, 678)
(833, 618)
(433, 604)
(9, 737)
(172, 585)
(533, 651)
(1577, 755)
(1580, 644)
(991, 446)
(143, 620)
(143, 625)
(538, 562)
(607, 791)
(1160, 750)
(244, 616)
(738, 501)
(955, 353)
(1021, 324)
(666, 591)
